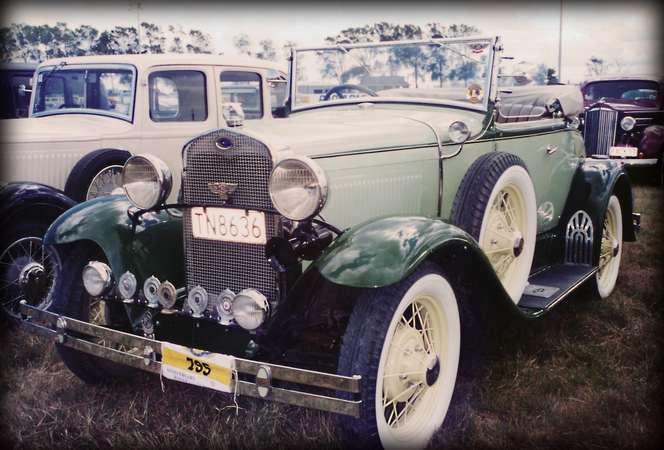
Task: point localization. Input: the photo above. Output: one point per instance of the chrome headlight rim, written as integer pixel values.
(321, 187)
(251, 309)
(97, 279)
(628, 123)
(135, 189)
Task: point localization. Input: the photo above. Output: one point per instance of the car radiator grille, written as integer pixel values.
(600, 130)
(216, 265)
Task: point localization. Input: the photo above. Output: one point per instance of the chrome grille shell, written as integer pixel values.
(216, 265)
(600, 130)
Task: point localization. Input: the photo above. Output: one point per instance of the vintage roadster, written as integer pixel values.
(414, 197)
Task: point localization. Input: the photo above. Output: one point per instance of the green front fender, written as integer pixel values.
(152, 247)
(385, 251)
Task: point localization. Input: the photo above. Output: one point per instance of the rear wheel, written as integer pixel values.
(404, 340)
(72, 300)
(611, 250)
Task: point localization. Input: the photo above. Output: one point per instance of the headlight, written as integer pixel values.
(298, 188)
(627, 123)
(250, 308)
(146, 180)
(97, 278)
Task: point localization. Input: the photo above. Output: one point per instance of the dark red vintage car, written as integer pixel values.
(624, 119)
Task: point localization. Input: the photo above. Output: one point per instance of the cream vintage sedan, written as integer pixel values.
(89, 114)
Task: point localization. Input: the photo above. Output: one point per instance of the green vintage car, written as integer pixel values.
(413, 198)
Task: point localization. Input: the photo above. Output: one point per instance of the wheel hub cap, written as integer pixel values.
(433, 370)
(408, 365)
(518, 244)
(33, 279)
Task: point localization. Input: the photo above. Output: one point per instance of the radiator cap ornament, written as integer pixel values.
(223, 189)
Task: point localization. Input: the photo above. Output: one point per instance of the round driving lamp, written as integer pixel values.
(459, 132)
(146, 180)
(97, 278)
(250, 309)
(298, 188)
(627, 123)
(127, 285)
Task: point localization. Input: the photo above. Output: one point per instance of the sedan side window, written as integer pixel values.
(178, 96)
(243, 88)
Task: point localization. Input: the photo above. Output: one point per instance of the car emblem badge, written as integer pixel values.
(223, 189)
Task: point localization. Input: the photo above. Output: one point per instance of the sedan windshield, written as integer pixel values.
(434, 70)
(107, 90)
(622, 89)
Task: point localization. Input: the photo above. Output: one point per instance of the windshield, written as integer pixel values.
(622, 89)
(433, 71)
(107, 90)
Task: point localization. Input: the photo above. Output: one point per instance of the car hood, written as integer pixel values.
(339, 130)
(625, 104)
(60, 128)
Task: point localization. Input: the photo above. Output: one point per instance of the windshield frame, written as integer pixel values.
(48, 71)
(493, 49)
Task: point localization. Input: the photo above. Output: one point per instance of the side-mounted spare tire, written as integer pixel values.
(97, 174)
(496, 205)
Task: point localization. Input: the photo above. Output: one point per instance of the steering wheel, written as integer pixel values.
(69, 105)
(337, 90)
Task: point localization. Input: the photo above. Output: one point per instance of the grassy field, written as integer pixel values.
(589, 375)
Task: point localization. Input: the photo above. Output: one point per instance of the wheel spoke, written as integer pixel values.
(398, 412)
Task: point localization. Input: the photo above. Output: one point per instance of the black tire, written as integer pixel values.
(603, 283)
(28, 268)
(508, 231)
(72, 300)
(79, 185)
(393, 381)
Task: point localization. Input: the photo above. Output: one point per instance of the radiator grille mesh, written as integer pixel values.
(217, 265)
(600, 130)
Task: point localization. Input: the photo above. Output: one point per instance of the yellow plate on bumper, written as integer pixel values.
(197, 367)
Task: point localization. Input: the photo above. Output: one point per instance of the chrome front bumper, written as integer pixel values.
(146, 354)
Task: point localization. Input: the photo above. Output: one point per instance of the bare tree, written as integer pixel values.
(595, 66)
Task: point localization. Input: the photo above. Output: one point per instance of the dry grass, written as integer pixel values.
(589, 375)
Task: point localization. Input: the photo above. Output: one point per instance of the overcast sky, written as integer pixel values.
(627, 32)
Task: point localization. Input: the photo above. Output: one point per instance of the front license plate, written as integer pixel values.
(191, 366)
(226, 224)
(623, 151)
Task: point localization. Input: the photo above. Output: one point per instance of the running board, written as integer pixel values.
(550, 286)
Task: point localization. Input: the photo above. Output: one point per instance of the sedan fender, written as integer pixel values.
(150, 246)
(31, 201)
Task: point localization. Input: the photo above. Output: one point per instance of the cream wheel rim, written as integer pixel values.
(410, 382)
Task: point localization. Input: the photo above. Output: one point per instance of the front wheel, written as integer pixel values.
(97, 174)
(404, 340)
(72, 300)
(28, 268)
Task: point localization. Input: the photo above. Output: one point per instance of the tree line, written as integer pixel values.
(30, 43)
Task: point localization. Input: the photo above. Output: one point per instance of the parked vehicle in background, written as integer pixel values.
(366, 235)
(15, 89)
(624, 120)
(28, 268)
(89, 114)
